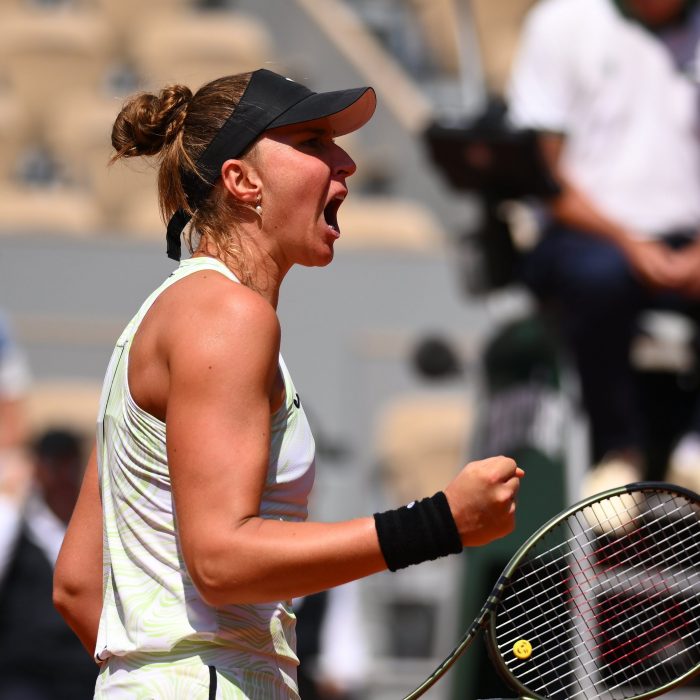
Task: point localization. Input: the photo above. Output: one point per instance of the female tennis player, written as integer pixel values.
(189, 538)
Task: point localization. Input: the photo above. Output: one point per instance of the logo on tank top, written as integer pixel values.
(296, 401)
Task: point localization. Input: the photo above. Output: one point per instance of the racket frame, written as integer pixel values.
(486, 618)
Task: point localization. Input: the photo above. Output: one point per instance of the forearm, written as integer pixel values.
(574, 209)
(263, 560)
(250, 559)
(653, 264)
(81, 610)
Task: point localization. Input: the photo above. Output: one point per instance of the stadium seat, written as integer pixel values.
(54, 209)
(198, 47)
(37, 6)
(141, 218)
(50, 57)
(126, 16)
(125, 190)
(438, 19)
(385, 223)
(80, 135)
(65, 403)
(498, 25)
(14, 134)
(421, 443)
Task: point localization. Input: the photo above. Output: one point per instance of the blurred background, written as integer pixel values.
(394, 346)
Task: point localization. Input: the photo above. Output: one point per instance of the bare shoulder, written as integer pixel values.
(209, 303)
(210, 318)
(202, 333)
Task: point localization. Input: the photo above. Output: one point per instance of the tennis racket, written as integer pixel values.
(603, 601)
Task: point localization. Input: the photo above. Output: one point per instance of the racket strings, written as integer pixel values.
(626, 652)
(590, 532)
(598, 577)
(535, 573)
(560, 632)
(604, 618)
(563, 660)
(583, 609)
(602, 685)
(655, 633)
(594, 560)
(650, 671)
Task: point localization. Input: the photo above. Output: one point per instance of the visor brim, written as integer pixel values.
(346, 110)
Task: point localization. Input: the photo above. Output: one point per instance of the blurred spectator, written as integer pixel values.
(611, 86)
(40, 657)
(331, 645)
(14, 383)
(15, 470)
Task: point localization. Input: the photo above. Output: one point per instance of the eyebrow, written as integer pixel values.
(318, 131)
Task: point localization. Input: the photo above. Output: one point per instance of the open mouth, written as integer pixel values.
(330, 213)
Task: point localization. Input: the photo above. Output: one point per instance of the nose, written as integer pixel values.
(343, 164)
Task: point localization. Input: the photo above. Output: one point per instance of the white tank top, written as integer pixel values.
(150, 602)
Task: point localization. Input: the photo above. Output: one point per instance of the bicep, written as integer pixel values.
(218, 427)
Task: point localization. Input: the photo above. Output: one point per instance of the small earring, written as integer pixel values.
(258, 207)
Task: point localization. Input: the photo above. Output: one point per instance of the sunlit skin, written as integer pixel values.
(303, 170)
(205, 361)
(298, 175)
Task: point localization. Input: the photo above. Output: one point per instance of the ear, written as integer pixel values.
(241, 179)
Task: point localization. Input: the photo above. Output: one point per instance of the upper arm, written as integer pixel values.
(222, 368)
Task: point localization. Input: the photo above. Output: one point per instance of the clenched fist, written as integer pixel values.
(482, 499)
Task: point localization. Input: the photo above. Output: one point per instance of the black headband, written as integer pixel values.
(269, 101)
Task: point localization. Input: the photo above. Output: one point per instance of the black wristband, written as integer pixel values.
(421, 531)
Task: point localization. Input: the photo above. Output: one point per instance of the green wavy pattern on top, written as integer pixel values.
(151, 606)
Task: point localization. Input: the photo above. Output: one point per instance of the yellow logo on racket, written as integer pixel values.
(522, 649)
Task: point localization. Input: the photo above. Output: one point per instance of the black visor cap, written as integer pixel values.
(270, 101)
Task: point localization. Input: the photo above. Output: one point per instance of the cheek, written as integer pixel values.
(298, 188)
(306, 191)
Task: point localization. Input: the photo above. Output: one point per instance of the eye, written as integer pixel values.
(318, 141)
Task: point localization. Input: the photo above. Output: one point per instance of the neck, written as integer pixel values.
(260, 272)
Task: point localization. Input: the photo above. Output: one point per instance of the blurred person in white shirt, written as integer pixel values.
(611, 87)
